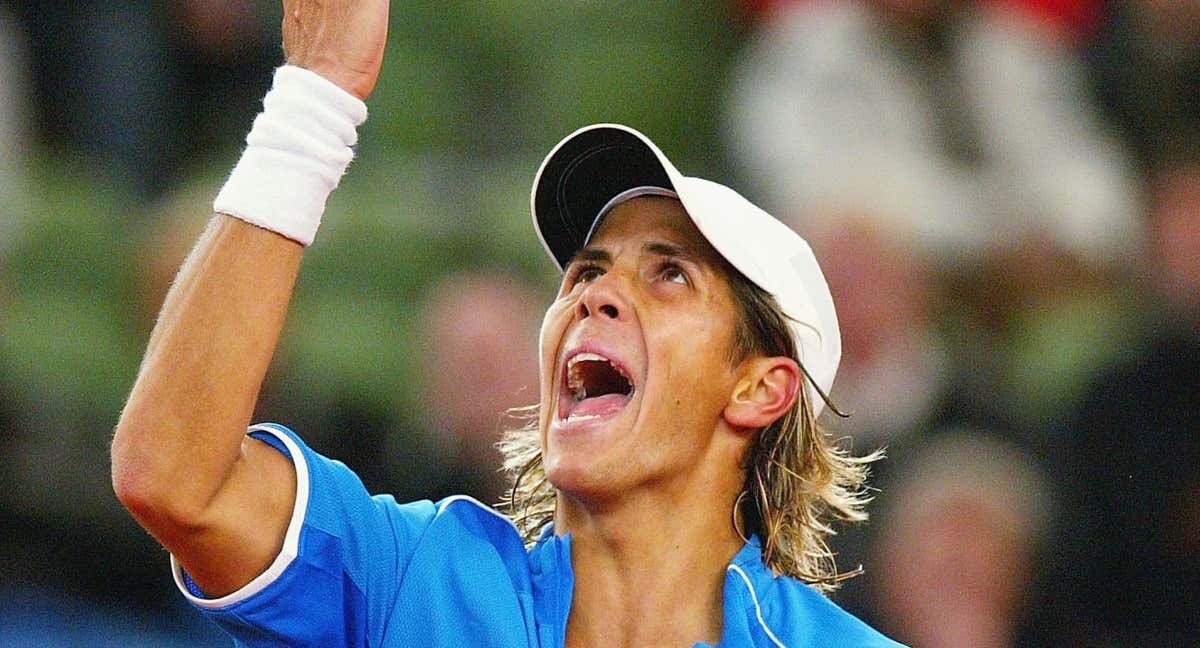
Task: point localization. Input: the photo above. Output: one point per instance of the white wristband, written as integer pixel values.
(295, 155)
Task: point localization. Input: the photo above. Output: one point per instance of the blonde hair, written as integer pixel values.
(798, 480)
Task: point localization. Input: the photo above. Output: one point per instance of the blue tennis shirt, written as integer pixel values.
(362, 570)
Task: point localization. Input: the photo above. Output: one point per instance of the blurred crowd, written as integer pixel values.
(1004, 194)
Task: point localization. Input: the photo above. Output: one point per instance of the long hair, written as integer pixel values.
(798, 480)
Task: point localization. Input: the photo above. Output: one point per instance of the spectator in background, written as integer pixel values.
(905, 388)
(474, 369)
(139, 88)
(1132, 563)
(102, 84)
(964, 125)
(898, 374)
(958, 542)
(959, 117)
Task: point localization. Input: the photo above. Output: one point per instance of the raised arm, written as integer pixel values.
(219, 501)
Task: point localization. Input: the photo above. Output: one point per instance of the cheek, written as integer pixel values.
(549, 338)
(550, 332)
(692, 356)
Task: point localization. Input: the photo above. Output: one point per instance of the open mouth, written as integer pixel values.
(594, 386)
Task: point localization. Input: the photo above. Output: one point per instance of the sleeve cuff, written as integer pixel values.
(280, 439)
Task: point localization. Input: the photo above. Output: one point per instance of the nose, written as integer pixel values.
(602, 298)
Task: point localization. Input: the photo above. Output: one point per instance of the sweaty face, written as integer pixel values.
(635, 370)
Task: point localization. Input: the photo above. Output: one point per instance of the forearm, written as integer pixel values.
(178, 442)
(182, 428)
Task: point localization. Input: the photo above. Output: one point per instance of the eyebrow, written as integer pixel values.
(589, 253)
(596, 254)
(669, 250)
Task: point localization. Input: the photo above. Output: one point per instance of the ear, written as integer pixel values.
(767, 389)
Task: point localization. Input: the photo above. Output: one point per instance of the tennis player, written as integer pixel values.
(672, 489)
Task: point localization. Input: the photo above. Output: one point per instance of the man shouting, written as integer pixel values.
(673, 488)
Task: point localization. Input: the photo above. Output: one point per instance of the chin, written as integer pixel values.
(579, 476)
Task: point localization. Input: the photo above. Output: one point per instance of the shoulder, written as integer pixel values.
(469, 515)
(828, 624)
(788, 612)
(464, 531)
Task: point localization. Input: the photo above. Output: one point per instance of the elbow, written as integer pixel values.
(143, 482)
(133, 474)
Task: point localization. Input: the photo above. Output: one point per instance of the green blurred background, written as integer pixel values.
(121, 120)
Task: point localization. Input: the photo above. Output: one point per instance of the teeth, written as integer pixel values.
(586, 356)
(581, 417)
(575, 380)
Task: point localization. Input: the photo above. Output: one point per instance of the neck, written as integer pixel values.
(650, 569)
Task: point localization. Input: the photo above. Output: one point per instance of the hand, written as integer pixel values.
(342, 40)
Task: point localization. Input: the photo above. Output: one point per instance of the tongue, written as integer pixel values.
(599, 405)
